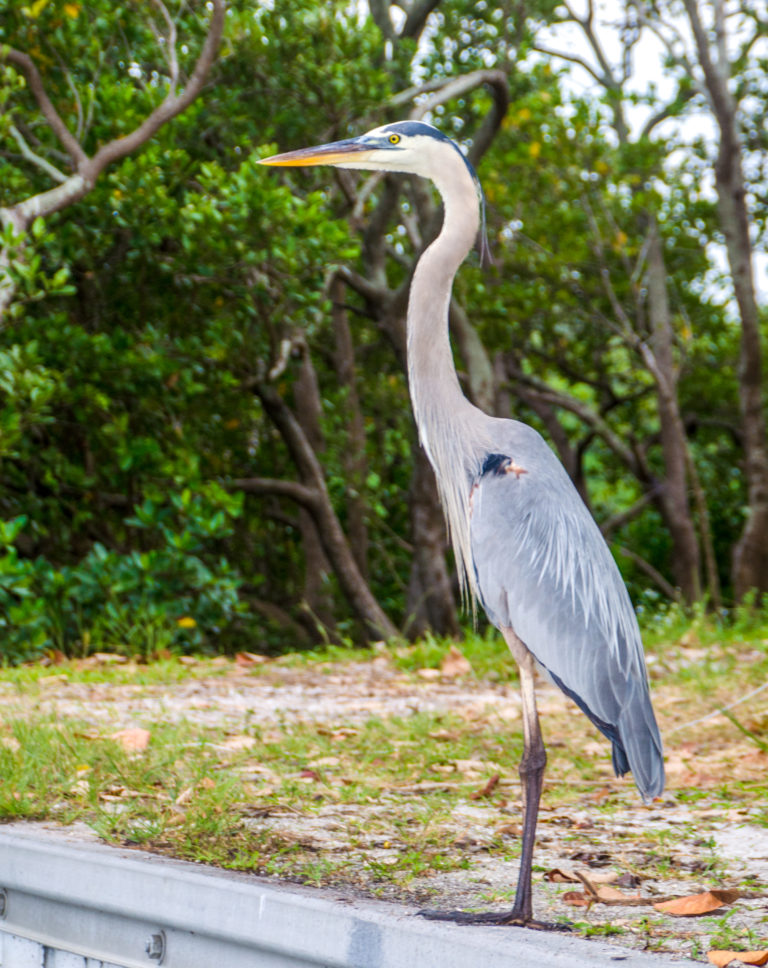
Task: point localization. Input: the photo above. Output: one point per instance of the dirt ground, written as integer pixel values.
(677, 846)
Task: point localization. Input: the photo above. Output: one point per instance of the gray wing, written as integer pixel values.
(544, 569)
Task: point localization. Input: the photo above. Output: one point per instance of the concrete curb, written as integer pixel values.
(131, 910)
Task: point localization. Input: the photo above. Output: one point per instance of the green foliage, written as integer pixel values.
(165, 597)
(144, 316)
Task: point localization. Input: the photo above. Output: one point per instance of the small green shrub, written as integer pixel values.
(176, 594)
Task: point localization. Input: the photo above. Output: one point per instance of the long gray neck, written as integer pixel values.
(451, 429)
(434, 386)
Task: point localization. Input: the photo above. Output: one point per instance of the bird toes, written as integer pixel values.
(511, 918)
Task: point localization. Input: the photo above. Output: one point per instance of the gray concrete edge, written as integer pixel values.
(256, 921)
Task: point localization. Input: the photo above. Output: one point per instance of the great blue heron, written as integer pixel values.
(526, 546)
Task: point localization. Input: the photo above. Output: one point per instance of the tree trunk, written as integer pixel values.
(317, 599)
(750, 556)
(675, 506)
(431, 604)
(313, 494)
(355, 463)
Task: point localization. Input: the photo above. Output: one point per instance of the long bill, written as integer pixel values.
(337, 152)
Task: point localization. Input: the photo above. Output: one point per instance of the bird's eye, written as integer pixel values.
(394, 138)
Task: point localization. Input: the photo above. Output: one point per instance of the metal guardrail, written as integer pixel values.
(91, 906)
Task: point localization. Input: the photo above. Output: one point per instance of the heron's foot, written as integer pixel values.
(511, 918)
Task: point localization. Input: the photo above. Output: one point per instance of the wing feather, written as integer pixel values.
(544, 569)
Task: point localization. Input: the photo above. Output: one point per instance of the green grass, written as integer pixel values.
(34, 676)
(188, 795)
(251, 805)
(486, 652)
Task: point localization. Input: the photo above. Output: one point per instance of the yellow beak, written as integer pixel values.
(330, 154)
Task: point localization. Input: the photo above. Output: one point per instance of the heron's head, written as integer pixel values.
(406, 146)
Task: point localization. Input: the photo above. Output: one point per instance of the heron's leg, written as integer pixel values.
(531, 777)
(531, 773)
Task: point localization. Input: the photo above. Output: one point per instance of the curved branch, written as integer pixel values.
(173, 104)
(300, 493)
(588, 416)
(617, 521)
(497, 81)
(418, 13)
(29, 69)
(329, 530)
(380, 13)
(87, 170)
(51, 170)
(656, 577)
(667, 111)
(572, 59)
(457, 86)
(379, 295)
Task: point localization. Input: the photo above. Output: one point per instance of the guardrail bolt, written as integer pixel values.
(3, 902)
(155, 946)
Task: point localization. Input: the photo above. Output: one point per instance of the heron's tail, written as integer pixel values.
(638, 744)
(635, 738)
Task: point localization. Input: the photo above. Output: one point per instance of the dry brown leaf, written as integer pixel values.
(723, 958)
(510, 830)
(246, 659)
(107, 658)
(238, 743)
(597, 877)
(557, 876)
(486, 790)
(577, 899)
(454, 664)
(428, 674)
(325, 762)
(598, 796)
(627, 880)
(133, 740)
(693, 905)
(599, 889)
(610, 895)
(447, 735)
(184, 797)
